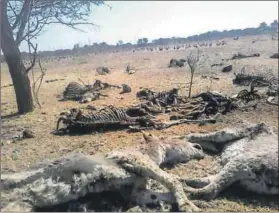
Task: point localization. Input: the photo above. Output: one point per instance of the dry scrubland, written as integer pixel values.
(152, 72)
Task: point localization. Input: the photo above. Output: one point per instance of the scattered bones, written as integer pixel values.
(140, 117)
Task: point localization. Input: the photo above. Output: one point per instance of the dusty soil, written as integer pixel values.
(152, 72)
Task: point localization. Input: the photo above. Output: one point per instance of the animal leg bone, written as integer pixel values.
(229, 175)
(152, 171)
(227, 135)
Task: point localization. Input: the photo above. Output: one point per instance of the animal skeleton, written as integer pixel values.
(213, 103)
(164, 99)
(249, 95)
(74, 91)
(99, 85)
(260, 79)
(78, 121)
(85, 93)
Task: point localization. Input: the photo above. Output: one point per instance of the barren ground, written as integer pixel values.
(152, 72)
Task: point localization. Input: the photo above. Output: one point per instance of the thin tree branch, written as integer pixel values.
(34, 57)
(46, 12)
(41, 80)
(15, 15)
(26, 8)
(192, 61)
(72, 25)
(34, 91)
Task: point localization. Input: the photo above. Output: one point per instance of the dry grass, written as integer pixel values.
(152, 73)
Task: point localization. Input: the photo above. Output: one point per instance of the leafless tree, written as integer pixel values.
(15, 16)
(192, 60)
(36, 84)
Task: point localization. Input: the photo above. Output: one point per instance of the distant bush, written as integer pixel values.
(210, 35)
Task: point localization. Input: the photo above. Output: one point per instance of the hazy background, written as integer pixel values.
(129, 21)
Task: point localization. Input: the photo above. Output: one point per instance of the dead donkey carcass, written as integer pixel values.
(111, 118)
(241, 56)
(102, 70)
(260, 78)
(177, 63)
(99, 85)
(159, 102)
(103, 182)
(162, 99)
(264, 78)
(74, 91)
(210, 104)
(78, 121)
(82, 92)
(215, 102)
(90, 96)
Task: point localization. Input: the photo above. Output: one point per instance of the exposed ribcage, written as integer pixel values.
(106, 115)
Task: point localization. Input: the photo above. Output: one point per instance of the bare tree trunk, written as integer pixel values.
(191, 82)
(17, 69)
